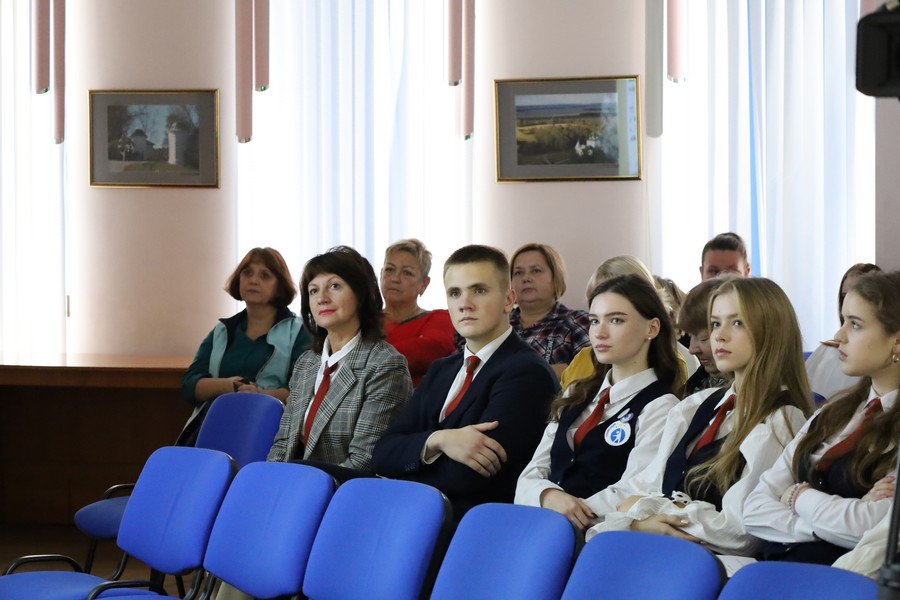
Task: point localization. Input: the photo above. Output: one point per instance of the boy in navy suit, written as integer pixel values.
(474, 421)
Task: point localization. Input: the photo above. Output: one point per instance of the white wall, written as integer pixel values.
(587, 221)
(146, 267)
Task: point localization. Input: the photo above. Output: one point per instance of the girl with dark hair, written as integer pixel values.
(717, 443)
(345, 391)
(834, 482)
(613, 417)
(253, 351)
(823, 367)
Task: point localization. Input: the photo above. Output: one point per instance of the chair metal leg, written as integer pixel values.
(89, 559)
(120, 568)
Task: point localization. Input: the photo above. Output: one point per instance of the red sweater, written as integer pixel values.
(421, 340)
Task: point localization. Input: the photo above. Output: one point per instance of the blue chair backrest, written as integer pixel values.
(262, 537)
(634, 565)
(171, 510)
(241, 424)
(507, 551)
(797, 581)
(375, 540)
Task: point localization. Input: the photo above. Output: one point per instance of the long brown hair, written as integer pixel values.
(661, 356)
(875, 456)
(774, 379)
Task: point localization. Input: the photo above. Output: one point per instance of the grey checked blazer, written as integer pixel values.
(369, 389)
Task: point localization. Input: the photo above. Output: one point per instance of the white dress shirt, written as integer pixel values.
(721, 531)
(329, 359)
(841, 521)
(533, 480)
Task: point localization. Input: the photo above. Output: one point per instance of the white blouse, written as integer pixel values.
(720, 531)
(841, 521)
(533, 479)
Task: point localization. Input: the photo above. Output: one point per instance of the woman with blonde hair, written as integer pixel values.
(538, 275)
(422, 336)
(835, 481)
(718, 442)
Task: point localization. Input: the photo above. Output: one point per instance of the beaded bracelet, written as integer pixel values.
(792, 498)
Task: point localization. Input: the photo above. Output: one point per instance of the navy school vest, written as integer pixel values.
(603, 453)
(836, 480)
(679, 463)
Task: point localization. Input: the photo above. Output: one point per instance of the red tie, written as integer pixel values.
(317, 401)
(848, 443)
(471, 364)
(710, 434)
(592, 419)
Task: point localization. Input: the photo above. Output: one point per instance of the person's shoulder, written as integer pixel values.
(515, 354)
(576, 315)
(377, 350)
(692, 402)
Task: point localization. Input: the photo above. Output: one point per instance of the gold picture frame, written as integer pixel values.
(568, 129)
(151, 138)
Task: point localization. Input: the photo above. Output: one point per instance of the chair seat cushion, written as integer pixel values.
(100, 520)
(47, 585)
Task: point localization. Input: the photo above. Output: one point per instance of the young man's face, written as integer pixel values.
(479, 301)
(716, 262)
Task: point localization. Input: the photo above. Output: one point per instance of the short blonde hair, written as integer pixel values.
(417, 249)
(554, 261)
(615, 266)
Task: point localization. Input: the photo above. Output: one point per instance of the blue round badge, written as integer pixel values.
(618, 433)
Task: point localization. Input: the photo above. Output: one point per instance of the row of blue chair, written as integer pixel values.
(243, 425)
(281, 529)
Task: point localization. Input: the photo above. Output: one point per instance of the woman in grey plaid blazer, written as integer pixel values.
(346, 390)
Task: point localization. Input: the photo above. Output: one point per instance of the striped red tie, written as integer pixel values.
(849, 443)
(471, 364)
(710, 434)
(317, 401)
(593, 418)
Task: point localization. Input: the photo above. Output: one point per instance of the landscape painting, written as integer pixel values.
(568, 129)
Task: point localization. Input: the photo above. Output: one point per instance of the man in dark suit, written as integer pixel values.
(474, 421)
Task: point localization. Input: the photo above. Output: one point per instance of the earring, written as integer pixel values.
(895, 358)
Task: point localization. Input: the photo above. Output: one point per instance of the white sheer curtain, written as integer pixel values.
(32, 296)
(769, 138)
(357, 141)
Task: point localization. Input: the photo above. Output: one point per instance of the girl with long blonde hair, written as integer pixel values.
(718, 442)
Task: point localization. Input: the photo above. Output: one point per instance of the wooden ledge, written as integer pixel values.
(93, 371)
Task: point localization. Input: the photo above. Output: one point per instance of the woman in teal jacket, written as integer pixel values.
(252, 351)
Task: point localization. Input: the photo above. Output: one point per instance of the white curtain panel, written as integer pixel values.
(32, 296)
(357, 140)
(769, 138)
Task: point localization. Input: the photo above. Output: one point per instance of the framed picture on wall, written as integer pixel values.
(154, 138)
(568, 129)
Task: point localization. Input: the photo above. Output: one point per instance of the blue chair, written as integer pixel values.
(507, 551)
(262, 537)
(243, 425)
(376, 540)
(776, 580)
(635, 565)
(166, 525)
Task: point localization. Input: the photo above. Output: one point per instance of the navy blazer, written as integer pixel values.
(515, 387)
